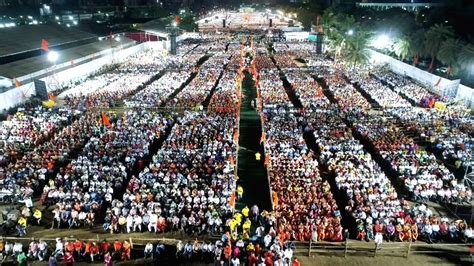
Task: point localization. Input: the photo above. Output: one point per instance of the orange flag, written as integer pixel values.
(232, 200)
(105, 120)
(17, 83)
(267, 160)
(232, 162)
(262, 138)
(44, 45)
(275, 198)
(51, 96)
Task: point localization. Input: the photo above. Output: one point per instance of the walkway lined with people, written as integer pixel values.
(252, 173)
(232, 141)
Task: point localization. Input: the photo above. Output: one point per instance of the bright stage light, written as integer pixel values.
(53, 56)
(381, 41)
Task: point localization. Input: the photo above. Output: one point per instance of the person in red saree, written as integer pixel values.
(338, 237)
(127, 248)
(68, 259)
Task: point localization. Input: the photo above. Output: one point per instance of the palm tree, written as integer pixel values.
(328, 21)
(466, 59)
(417, 45)
(434, 37)
(356, 49)
(335, 27)
(448, 53)
(402, 47)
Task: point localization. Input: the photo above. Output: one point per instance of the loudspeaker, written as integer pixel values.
(319, 43)
(173, 44)
(270, 24)
(40, 89)
(223, 23)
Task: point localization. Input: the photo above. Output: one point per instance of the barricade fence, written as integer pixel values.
(401, 249)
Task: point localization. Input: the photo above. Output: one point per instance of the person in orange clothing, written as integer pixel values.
(77, 248)
(104, 247)
(414, 231)
(117, 249)
(70, 247)
(408, 234)
(258, 249)
(227, 252)
(296, 262)
(321, 232)
(399, 231)
(87, 249)
(94, 251)
(127, 249)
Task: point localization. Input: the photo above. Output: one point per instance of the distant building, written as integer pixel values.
(410, 5)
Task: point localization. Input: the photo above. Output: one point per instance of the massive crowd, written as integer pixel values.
(293, 169)
(442, 131)
(158, 171)
(418, 94)
(380, 93)
(199, 88)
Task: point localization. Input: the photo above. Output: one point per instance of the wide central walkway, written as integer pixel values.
(252, 174)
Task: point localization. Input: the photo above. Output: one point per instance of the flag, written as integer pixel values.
(177, 19)
(44, 45)
(17, 83)
(105, 120)
(51, 96)
(232, 162)
(267, 160)
(232, 200)
(262, 138)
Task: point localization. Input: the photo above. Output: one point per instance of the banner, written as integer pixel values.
(44, 45)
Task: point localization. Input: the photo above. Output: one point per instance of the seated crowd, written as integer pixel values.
(442, 131)
(346, 96)
(149, 171)
(226, 98)
(422, 175)
(403, 85)
(92, 180)
(293, 171)
(307, 90)
(382, 94)
(199, 88)
(188, 184)
(157, 93)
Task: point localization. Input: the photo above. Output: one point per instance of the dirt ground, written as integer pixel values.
(382, 260)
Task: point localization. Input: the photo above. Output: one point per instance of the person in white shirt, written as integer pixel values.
(235, 261)
(129, 223)
(137, 223)
(153, 224)
(468, 234)
(288, 256)
(267, 240)
(148, 251)
(378, 240)
(42, 250)
(59, 251)
(17, 248)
